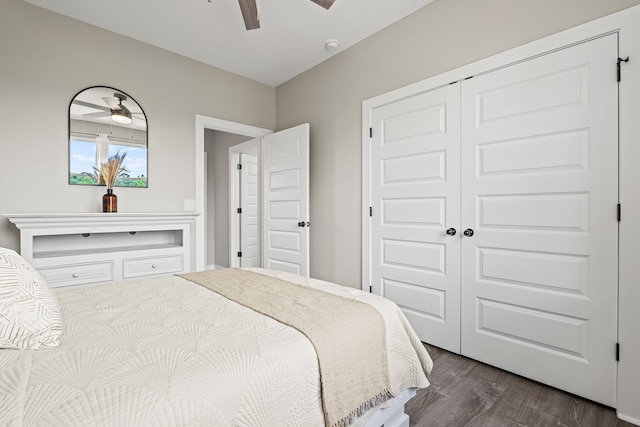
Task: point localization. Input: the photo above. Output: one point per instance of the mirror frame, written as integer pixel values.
(102, 129)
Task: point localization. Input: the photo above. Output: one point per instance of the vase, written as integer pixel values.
(109, 201)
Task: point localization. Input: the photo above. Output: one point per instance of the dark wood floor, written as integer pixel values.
(465, 392)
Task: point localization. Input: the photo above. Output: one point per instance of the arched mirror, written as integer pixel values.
(104, 121)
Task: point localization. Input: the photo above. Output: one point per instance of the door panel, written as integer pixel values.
(250, 204)
(539, 185)
(415, 188)
(244, 205)
(285, 164)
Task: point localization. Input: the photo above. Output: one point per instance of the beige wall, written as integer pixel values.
(45, 59)
(443, 35)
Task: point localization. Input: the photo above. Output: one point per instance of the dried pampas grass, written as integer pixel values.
(109, 171)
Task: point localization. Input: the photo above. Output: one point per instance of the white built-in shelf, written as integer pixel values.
(80, 249)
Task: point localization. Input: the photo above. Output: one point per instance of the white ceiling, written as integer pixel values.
(291, 39)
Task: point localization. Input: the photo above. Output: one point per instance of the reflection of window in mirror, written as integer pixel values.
(104, 121)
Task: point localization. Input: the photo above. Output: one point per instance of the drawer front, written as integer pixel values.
(77, 274)
(136, 267)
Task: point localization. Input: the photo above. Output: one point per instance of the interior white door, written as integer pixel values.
(415, 193)
(285, 166)
(249, 209)
(245, 235)
(540, 189)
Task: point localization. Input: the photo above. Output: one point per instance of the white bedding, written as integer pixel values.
(169, 352)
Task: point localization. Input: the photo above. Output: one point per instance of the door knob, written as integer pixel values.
(468, 232)
(451, 231)
(302, 224)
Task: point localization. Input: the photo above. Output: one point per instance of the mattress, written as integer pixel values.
(168, 352)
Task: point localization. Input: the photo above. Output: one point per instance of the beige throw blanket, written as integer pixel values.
(348, 336)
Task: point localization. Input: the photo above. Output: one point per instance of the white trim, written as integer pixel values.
(202, 123)
(628, 419)
(210, 234)
(367, 110)
(629, 231)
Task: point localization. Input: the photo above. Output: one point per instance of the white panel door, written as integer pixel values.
(285, 165)
(415, 193)
(539, 168)
(250, 209)
(245, 246)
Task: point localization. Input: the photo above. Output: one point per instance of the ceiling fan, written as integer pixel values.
(115, 108)
(251, 15)
(119, 113)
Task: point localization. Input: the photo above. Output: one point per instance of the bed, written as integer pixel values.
(170, 351)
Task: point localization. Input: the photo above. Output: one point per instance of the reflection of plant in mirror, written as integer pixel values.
(111, 170)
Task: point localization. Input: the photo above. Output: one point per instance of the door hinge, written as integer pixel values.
(239, 166)
(618, 68)
(240, 210)
(617, 352)
(370, 210)
(370, 289)
(619, 212)
(370, 132)
(239, 254)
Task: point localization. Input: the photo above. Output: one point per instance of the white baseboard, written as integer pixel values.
(628, 419)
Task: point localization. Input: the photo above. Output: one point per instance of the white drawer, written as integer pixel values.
(74, 274)
(136, 267)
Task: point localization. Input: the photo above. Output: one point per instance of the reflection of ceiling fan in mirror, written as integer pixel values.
(114, 108)
(251, 15)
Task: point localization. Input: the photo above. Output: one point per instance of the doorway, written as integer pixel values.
(203, 124)
(220, 192)
(285, 190)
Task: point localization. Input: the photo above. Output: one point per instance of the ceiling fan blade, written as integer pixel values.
(249, 14)
(111, 102)
(90, 105)
(324, 3)
(95, 115)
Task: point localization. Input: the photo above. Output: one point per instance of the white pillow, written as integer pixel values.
(29, 312)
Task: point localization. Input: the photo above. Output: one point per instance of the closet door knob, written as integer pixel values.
(451, 232)
(302, 224)
(468, 232)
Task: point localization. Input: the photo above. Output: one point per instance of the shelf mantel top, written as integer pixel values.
(33, 219)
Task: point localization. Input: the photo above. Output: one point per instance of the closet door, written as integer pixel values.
(415, 193)
(540, 178)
